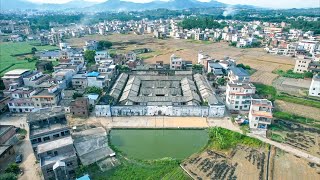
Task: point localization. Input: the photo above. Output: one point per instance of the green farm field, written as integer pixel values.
(8, 60)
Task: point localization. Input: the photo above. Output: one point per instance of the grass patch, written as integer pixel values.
(266, 91)
(199, 41)
(295, 118)
(297, 100)
(132, 169)
(224, 139)
(290, 74)
(277, 137)
(9, 62)
(22, 132)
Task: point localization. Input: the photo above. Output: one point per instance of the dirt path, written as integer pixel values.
(289, 149)
(301, 110)
(30, 168)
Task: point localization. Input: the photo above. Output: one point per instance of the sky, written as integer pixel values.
(261, 3)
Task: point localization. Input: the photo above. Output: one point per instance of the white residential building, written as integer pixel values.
(101, 56)
(95, 79)
(21, 100)
(238, 95)
(238, 74)
(302, 64)
(175, 62)
(260, 115)
(315, 86)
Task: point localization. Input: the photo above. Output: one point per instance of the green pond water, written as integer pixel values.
(156, 144)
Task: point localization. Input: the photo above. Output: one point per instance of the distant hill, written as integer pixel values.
(16, 4)
(118, 5)
(115, 5)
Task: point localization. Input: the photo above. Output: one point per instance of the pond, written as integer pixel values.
(155, 144)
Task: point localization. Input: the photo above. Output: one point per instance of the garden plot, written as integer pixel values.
(241, 163)
(298, 136)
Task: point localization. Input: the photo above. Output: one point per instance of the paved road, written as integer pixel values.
(29, 166)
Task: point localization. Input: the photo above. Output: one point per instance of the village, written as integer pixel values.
(105, 76)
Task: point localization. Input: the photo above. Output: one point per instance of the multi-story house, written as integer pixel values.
(90, 45)
(302, 64)
(260, 115)
(21, 100)
(79, 81)
(63, 77)
(101, 55)
(315, 86)
(238, 74)
(35, 78)
(238, 95)
(176, 63)
(49, 97)
(95, 79)
(15, 77)
(58, 159)
(51, 142)
(80, 107)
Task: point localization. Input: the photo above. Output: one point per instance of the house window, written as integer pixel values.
(56, 135)
(46, 138)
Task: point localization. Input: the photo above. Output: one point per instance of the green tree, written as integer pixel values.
(33, 50)
(221, 81)
(76, 95)
(89, 56)
(104, 45)
(8, 176)
(308, 74)
(13, 168)
(94, 90)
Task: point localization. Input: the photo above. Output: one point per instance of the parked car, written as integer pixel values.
(19, 158)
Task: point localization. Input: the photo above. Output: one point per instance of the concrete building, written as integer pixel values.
(47, 125)
(45, 98)
(150, 93)
(21, 100)
(315, 86)
(58, 159)
(97, 80)
(216, 69)
(238, 95)
(35, 78)
(79, 81)
(15, 77)
(101, 55)
(4, 103)
(176, 63)
(238, 74)
(80, 107)
(260, 115)
(302, 64)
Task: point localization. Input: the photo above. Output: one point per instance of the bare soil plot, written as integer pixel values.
(301, 110)
(302, 137)
(241, 163)
(257, 58)
(289, 167)
(292, 86)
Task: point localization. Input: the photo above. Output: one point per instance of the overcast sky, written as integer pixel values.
(261, 3)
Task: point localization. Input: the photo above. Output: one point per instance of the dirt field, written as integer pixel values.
(305, 111)
(241, 163)
(292, 86)
(289, 167)
(163, 49)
